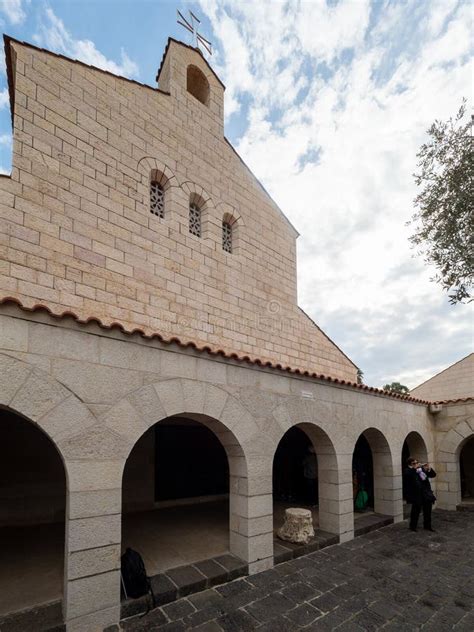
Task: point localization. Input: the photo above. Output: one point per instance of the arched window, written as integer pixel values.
(158, 187)
(157, 199)
(194, 219)
(197, 84)
(227, 236)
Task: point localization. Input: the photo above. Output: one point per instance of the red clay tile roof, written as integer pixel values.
(8, 300)
(454, 401)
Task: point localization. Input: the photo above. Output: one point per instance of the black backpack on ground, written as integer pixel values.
(135, 581)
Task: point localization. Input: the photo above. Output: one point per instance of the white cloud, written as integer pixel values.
(13, 10)
(324, 31)
(5, 140)
(4, 98)
(365, 109)
(54, 36)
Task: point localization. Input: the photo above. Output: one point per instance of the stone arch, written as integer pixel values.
(413, 445)
(150, 169)
(40, 398)
(334, 462)
(196, 191)
(149, 165)
(417, 446)
(448, 469)
(237, 431)
(387, 480)
(195, 194)
(69, 424)
(229, 213)
(225, 213)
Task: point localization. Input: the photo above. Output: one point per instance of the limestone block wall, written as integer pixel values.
(76, 230)
(455, 382)
(454, 427)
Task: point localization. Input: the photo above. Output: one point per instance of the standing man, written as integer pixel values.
(418, 492)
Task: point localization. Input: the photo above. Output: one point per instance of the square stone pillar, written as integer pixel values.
(335, 495)
(92, 547)
(251, 523)
(388, 490)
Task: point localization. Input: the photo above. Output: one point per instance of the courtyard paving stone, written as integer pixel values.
(390, 579)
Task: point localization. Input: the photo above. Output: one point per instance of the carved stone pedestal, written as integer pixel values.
(298, 526)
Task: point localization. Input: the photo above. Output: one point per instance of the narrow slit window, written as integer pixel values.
(194, 219)
(226, 237)
(157, 199)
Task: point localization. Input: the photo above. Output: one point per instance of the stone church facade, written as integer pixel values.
(146, 276)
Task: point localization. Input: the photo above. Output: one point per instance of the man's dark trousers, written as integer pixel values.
(416, 508)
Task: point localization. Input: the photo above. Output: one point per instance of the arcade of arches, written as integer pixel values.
(184, 469)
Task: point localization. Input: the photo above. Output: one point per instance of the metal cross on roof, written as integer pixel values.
(193, 28)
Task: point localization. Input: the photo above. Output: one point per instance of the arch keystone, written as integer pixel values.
(171, 396)
(124, 419)
(146, 402)
(214, 401)
(194, 396)
(235, 415)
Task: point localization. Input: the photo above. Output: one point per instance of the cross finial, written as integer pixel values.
(193, 28)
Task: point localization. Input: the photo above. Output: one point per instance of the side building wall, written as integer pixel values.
(454, 428)
(455, 382)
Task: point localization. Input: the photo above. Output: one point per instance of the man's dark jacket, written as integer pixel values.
(416, 490)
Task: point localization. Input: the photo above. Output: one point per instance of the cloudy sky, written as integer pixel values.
(328, 103)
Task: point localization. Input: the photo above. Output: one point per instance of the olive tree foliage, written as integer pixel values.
(396, 387)
(444, 221)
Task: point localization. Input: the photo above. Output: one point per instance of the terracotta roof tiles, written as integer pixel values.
(209, 350)
(454, 401)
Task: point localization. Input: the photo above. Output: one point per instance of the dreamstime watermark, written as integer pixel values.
(270, 321)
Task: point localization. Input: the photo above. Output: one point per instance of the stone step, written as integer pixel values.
(186, 580)
(47, 617)
(371, 522)
(284, 551)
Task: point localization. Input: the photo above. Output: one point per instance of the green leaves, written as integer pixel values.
(444, 222)
(396, 387)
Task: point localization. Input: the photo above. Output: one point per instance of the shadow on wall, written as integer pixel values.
(363, 471)
(292, 466)
(32, 477)
(466, 463)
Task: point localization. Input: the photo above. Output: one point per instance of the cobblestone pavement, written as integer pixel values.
(391, 580)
